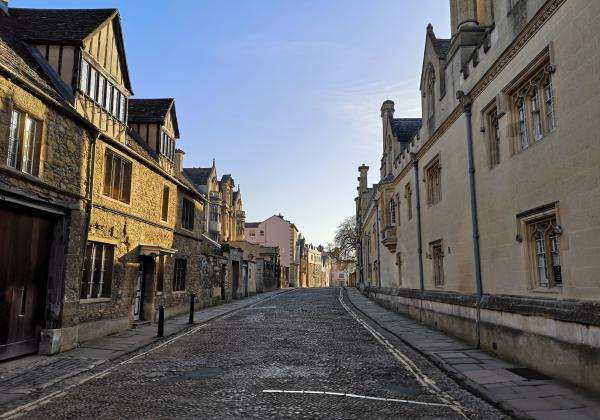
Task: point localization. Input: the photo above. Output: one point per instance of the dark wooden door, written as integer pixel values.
(235, 284)
(25, 239)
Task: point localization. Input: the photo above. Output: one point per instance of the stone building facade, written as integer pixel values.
(279, 232)
(483, 222)
(225, 217)
(44, 195)
(100, 224)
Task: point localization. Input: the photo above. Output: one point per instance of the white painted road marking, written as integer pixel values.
(428, 383)
(365, 397)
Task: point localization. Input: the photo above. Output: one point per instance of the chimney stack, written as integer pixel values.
(362, 188)
(179, 159)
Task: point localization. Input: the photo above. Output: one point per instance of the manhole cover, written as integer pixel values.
(402, 389)
(195, 375)
(527, 373)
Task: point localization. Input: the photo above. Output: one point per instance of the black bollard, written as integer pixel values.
(161, 321)
(192, 298)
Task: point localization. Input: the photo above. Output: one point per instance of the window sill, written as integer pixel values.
(114, 200)
(158, 293)
(95, 300)
(179, 292)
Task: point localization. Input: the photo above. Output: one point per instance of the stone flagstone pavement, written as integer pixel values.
(520, 391)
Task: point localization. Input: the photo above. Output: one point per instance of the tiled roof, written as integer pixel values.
(15, 56)
(148, 110)
(66, 26)
(405, 128)
(199, 176)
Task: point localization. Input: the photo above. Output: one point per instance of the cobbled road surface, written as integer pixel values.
(307, 353)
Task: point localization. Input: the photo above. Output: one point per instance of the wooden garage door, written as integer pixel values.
(25, 239)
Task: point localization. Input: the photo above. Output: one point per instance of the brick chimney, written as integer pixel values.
(178, 158)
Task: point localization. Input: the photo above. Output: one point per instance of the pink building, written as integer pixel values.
(276, 231)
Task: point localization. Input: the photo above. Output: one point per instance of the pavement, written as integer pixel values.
(523, 393)
(32, 375)
(302, 354)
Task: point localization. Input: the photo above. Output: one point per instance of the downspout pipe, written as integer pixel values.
(378, 246)
(466, 102)
(415, 162)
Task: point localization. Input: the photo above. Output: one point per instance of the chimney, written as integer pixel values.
(178, 158)
(4, 6)
(363, 169)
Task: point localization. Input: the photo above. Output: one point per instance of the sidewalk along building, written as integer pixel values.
(279, 232)
(483, 223)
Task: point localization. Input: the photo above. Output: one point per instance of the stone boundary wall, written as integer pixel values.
(558, 338)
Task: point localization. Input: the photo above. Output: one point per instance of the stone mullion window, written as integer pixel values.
(433, 173)
(544, 242)
(187, 214)
(179, 275)
(494, 138)
(165, 204)
(97, 272)
(534, 108)
(549, 101)
(24, 142)
(14, 139)
(437, 257)
(117, 177)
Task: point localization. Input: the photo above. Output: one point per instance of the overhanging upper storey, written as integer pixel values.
(83, 53)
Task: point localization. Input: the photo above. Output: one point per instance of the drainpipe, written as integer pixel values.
(466, 102)
(378, 246)
(415, 161)
(89, 192)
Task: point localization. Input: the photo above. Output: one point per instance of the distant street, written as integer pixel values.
(293, 356)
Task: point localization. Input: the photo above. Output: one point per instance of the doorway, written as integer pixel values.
(138, 294)
(24, 263)
(235, 268)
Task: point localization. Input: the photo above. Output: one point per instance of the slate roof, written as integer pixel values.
(15, 57)
(198, 176)
(405, 128)
(148, 110)
(61, 26)
(441, 46)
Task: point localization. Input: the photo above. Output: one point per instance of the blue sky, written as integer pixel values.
(285, 95)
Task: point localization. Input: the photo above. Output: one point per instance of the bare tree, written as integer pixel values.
(345, 238)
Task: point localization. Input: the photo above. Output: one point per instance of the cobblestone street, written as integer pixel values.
(255, 363)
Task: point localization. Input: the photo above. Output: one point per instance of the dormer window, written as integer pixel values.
(167, 146)
(100, 90)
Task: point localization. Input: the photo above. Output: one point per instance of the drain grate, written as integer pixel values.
(528, 374)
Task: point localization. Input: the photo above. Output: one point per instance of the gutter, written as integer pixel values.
(466, 102)
(415, 162)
